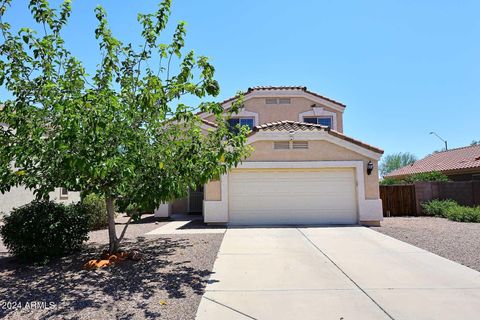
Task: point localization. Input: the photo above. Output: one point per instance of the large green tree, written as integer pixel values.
(120, 130)
(396, 161)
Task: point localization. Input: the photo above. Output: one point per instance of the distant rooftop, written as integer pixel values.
(454, 159)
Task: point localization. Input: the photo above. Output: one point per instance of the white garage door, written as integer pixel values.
(292, 196)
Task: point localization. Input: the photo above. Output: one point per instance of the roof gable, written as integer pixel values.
(293, 88)
(282, 91)
(309, 129)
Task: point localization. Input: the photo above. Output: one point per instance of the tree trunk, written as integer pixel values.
(112, 234)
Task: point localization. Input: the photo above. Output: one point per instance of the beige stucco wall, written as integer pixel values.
(19, 196)
(279, 112)
(318, 151)
(213, 191)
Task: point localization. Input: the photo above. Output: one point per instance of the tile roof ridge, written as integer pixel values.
(454, 149)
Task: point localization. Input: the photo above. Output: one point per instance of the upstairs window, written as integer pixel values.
(324, 121)
(234, 122)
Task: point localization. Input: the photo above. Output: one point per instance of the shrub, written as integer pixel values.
(417, 177)
(438, 208)
(133, 209)
(44, 229)
(427, 176)
(96, 210)
(464, 214)
(390, 181)
(451, 210)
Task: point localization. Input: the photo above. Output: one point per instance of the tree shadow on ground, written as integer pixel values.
(121, 290)
(199, 224)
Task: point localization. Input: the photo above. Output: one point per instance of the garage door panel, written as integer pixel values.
(292, 197)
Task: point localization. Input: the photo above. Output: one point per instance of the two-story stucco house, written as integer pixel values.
(303, 169)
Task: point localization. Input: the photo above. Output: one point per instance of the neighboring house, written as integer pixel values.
(19, 196)
(303, 169)
(461, 164)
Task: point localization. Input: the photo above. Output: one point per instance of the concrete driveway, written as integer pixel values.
(334, 273)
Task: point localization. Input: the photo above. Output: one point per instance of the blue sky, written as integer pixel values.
(402, 67)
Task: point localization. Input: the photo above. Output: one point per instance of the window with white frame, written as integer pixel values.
(324, 121)
(233, 123)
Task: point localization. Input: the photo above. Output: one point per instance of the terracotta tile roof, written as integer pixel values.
(288, 125)
(212, 124)
(455, 159)
(302, 88)
(301, 126)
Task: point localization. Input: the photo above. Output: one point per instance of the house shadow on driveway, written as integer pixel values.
(170, 275)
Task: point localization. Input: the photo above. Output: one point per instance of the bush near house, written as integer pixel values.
(44, 229)
(96, 210)
(418, 177)
(451, 210)
(438, 208)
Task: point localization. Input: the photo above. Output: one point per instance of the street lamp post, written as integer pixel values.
(444, 141)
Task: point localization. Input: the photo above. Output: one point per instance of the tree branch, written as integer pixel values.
(124, 230)
(168, 66)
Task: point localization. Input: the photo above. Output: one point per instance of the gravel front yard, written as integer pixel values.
(167, 283)
(457, 241)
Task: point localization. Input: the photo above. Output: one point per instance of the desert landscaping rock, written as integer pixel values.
(457, 241)
(167, 283)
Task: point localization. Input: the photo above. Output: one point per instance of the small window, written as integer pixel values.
(300, 145)
(310, 120)
(281, 145)
(271, 101)
(233, 122)
(247, 122)
(63, 193)
(324, 121)
(284, 101)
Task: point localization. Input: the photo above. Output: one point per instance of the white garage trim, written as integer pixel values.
(368, 210)
(215, 211)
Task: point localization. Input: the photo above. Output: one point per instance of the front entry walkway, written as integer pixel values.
(334, 273)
